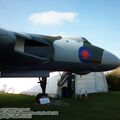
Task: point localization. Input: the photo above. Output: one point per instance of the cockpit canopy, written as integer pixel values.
(78, 39)
(85, 40)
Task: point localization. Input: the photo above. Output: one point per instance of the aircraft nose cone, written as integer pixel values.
(110, 59)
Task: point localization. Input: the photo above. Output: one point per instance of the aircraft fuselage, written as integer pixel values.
(38, 52)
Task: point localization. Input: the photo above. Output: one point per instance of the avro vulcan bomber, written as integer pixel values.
(29, 52)
(33, 55)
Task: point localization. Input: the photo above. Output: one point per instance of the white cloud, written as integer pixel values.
(52, 17)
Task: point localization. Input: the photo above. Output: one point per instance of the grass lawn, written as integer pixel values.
(101, 106)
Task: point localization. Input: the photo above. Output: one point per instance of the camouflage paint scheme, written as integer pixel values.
(29, 52)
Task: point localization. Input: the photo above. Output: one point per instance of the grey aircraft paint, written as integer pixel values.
(32, 52)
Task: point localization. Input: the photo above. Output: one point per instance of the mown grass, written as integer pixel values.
(101, 106)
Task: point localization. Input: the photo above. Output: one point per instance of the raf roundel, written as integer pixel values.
(84, 54)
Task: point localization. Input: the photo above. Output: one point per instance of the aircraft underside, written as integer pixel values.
(30, 69)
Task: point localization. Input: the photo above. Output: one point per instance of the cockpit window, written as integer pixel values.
(85, 40)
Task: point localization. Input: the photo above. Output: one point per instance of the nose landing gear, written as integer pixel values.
(43, 83)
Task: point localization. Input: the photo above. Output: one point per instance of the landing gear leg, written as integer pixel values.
(43, 83)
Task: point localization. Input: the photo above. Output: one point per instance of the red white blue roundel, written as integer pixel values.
(84, 54)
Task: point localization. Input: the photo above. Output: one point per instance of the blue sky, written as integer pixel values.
(97, 20)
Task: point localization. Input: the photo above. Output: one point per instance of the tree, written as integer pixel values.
(113, 80)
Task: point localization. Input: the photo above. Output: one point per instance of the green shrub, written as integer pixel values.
(113, 80)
